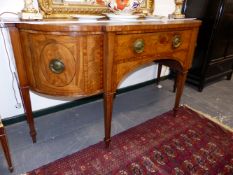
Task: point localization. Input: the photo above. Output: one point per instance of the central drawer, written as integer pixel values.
(150, 44)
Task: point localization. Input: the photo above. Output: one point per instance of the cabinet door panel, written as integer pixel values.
(208, 12)
(220, 36)
(63, 65)
(229, 18)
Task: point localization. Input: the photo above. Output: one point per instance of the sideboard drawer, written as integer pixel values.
(64, 65)
(151, 44)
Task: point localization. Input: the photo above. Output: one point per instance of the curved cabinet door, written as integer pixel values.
(63, 65)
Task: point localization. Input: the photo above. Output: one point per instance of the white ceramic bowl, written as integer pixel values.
(124, 6)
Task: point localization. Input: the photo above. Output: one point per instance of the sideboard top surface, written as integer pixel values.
(107, 26)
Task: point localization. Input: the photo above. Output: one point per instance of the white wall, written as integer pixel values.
(164, 7)
(10, 102)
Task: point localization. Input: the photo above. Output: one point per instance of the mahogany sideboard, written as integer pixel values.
(79, 60)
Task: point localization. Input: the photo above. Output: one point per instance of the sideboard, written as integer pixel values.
(83, 59)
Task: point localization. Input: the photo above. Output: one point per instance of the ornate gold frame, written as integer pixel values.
(49, 9)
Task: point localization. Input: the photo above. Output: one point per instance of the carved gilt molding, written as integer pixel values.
(49, 9)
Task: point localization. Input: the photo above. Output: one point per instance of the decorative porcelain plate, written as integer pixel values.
(122, 17)
(123, 6)
(88, 17)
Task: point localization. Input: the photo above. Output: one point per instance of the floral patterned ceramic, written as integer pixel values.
(124, 6)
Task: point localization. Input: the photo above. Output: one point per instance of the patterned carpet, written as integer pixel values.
(166, 145)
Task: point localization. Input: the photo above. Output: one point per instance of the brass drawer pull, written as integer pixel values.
(138, 46)
(176, 41)
(56, 66)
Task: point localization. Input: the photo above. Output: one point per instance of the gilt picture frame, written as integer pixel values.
(69, 8)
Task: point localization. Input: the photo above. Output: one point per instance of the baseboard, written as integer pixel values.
(42, 112)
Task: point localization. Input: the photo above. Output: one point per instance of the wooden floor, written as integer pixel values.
(68, 131)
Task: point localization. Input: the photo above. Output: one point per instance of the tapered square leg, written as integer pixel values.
(181, 77)
(5, 147)
(28, 110)
(159, 73)
(108, 104)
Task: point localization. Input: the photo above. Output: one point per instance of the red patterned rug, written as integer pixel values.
(166, 145)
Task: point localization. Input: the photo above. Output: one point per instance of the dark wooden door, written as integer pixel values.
(229, 19)
(221, 33)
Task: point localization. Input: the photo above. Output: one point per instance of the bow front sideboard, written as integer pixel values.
(80, 60)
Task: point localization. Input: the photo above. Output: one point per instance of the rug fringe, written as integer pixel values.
(210, 118)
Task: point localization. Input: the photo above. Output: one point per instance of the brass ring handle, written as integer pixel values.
(56, 66)
(138, 46)
(176, 41)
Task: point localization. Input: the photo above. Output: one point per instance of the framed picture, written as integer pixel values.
(68, 8)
